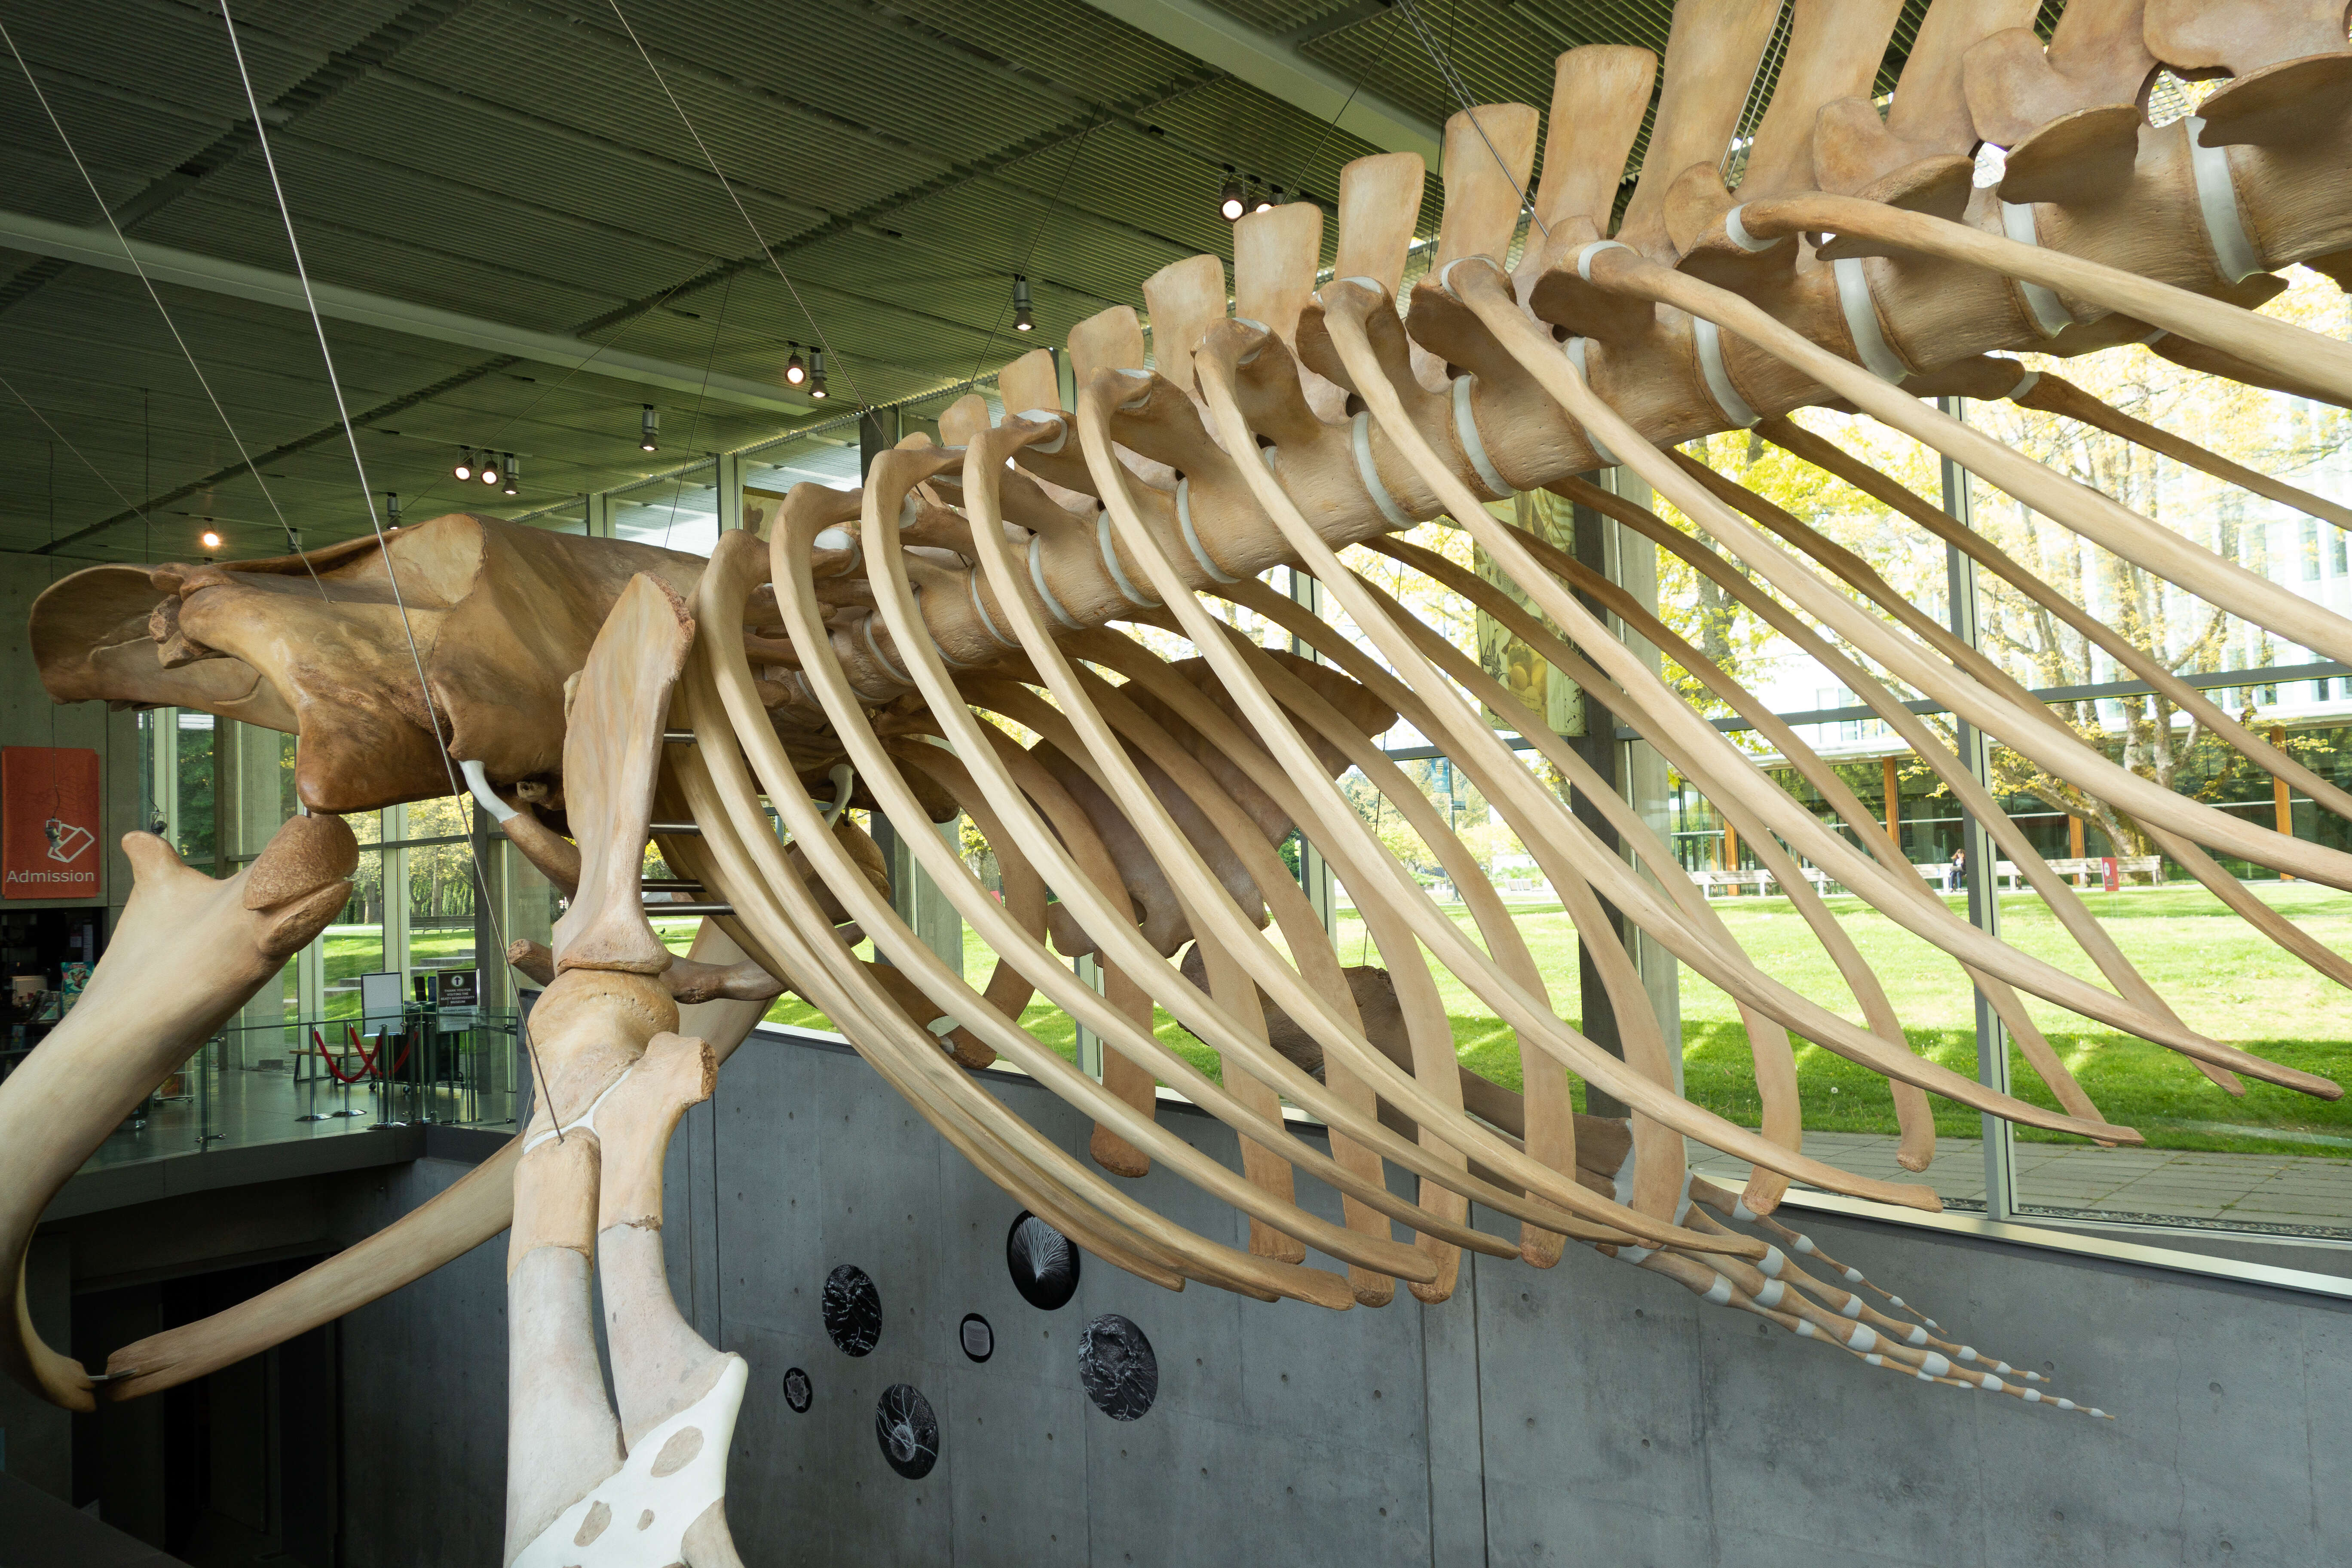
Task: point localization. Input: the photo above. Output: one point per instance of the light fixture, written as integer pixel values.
(464, 469)
(209, 540)
(490, 469)
(649, 430)
(1024, 319)
(796, 371)
(1228, 202)
(514, 482)
(1268, 202)
(816, 374)
(392, 509)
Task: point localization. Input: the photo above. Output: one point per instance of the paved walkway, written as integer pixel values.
(2298, 1191)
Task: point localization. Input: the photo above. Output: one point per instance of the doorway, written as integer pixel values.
(236, 1468)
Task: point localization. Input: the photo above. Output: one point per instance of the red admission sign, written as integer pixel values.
(48, 822)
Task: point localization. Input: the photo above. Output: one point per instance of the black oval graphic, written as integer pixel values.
(978, 1341)
(1043, 1262)
(799, 1392)
(1116, 1364)
(853, 1310)
(907, 1431)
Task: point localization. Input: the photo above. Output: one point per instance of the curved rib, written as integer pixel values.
(1988, 710)
(1914, 1118)
(1849, 865)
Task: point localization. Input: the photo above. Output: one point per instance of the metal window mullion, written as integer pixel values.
(1088, 970)
(726, 476)
(394, 870)
(164, 771)
(1313, 871)
(1642, 772)
(1984, 882)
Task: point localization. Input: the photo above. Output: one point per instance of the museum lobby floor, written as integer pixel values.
(239, 1109)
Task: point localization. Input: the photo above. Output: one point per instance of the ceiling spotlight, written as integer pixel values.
(490, 469)
(514, 483)
(392, 509)
(209, 540)
(796, 371)
(649, 430)
(816, 374)
(465, 465)
(1228, 202)
(1268, 202)
(1024, 319)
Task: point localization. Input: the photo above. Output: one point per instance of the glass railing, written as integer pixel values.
(319, 1077)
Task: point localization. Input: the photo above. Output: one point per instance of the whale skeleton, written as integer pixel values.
(880, 648)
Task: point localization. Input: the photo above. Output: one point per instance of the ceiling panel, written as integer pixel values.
(900, 160)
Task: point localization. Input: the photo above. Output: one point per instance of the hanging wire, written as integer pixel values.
(1444, 64)
(392, 575)
(548, 389)
(58, 436)
(1298, 182)
(694, 426)
(1035, 236)
(293, 540)
(724, 183)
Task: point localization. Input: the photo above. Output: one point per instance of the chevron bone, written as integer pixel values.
(858, 657)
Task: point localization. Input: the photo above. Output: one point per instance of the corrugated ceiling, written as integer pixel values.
(516, 161)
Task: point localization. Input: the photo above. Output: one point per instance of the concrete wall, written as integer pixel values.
(1591, 1412)
(27, 717)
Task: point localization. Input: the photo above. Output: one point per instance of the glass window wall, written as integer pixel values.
(677, 511)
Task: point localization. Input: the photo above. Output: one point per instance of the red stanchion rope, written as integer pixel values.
(371, 1062)
(367, 1058)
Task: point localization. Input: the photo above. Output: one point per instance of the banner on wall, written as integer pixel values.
(48, 822)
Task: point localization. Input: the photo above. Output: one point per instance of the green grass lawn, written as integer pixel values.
(352, 952)
(2220, 975)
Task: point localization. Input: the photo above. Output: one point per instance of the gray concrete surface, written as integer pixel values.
(1591, 1413)
(36, 1531)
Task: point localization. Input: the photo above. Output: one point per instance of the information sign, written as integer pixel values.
(48, 822)
(381, 997)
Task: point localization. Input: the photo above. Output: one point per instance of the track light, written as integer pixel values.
(209, 540)
(490, 469)
(795, 372)
(1024, 319)
(816, 374)
(392, 509)
(649, 430)
(1229, 203)
(514, 484)
(464, 469)
(1271, 200)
